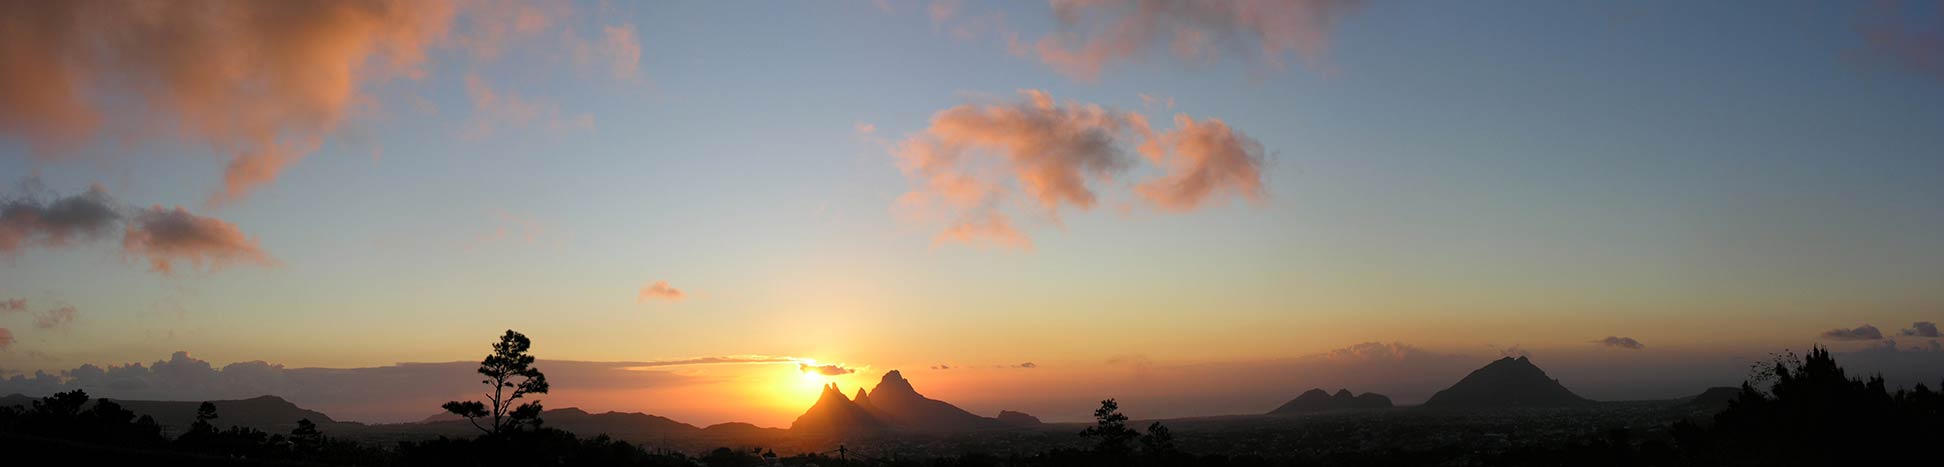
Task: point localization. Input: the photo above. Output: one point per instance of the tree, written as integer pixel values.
(508, 361)
(1110, 429)
(306, 437)
(1158, 441)
(204, 413)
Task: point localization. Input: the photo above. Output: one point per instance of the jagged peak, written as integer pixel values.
(895, 382)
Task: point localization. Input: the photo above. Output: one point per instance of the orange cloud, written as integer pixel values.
(972, 154)
(1099, 33)
(1202, 160)
(973, 158)
(6, 338)
(262, 83)
(660, 290)
(167, 236)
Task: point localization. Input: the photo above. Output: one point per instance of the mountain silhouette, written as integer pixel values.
(895, 402)
(269, 413)
(1315, 400)
(1507, 382)
(836, 415)
(1017, 419)
(1716, 398)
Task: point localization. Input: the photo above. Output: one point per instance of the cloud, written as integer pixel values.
(1096, 34)
(941, 367)
(1202, 160)
(13, 305)
(834, 369)
(262, 82)
(166, 237)
(1621, 342)
(1046, 156)
(55, 318)
(1376, 352)
(1890, 35)
(6, 338)
(1150, 101)
(1921, 329)
(496, 110)
(28, 221)
(659, 290)
(1027, 365)
(1860, 333)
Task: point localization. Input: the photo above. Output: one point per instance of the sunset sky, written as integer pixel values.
(1201, 207)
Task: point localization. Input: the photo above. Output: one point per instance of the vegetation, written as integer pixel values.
(508, 360)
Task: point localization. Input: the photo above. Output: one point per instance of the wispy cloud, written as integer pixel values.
(1098, 34)
(57, 318)
(1621, 343)
(1860, 333)
(659, 290)
(831, 369)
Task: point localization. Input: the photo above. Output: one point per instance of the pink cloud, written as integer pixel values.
(6, 338)
(968, 166)
(261, 83)
(13, 305)
(1202, 160)
(972, 155)
(494, 110)
(166, 237)
(55, 318)
(1099, 33)
(659, 290)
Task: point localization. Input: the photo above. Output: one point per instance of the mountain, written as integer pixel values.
(1507, 382)
(836, 415)
(895, 402)
(1315, 400)
(1017, 419)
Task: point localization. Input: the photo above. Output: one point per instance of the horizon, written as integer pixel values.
(708, 212)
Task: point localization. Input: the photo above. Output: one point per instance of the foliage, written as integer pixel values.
(508, 361)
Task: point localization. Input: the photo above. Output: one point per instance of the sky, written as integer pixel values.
(1202, 207)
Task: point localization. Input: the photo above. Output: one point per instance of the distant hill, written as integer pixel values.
(268, 413)
(1315, 400)
(1017, 419)
(836, 415)
(1714, 398)
(1507, 382)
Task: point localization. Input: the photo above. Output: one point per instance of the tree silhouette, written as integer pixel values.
(1158, 441)
(1110, 430)
(204, 413)
(509, 360)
